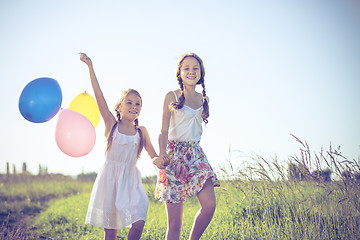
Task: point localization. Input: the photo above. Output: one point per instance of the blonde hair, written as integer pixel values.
(118, 117)
(178, 105)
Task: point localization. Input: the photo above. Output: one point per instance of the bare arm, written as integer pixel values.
(151, 151)
(108, 117)
(163, 137)
(148, 145)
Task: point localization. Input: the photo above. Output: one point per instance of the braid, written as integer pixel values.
(109, 140)
(205, 114)
(203, 91)
(141, 145)
(136, 123)
(181, 102)
(118, 116)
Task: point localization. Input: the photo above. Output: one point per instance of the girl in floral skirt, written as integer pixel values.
(189, 172)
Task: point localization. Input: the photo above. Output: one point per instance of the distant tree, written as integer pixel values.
(24, 167)
(87, 176)
(7, 169)
(14, 169)
(43, 170)
(349, 175)
(295, 172)
(322, 175)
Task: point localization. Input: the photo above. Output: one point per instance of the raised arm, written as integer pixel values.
(107, 116)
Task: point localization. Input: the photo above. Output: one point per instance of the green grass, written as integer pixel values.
(25, 196)
(244, 211)
(256, 202)
(65, 218)
(310, 214)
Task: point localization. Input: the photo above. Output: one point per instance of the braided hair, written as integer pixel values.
(118, 117)
(178, 105)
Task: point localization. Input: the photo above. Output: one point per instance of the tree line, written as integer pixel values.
(300, 172)
(43, 170)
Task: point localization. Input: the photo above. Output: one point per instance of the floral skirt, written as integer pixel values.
(187, 173)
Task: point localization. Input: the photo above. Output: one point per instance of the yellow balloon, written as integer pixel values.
(85, 104)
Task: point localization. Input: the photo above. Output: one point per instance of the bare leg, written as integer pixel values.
(136, 230)
(174, 218)
(110, 234)
(203, 217)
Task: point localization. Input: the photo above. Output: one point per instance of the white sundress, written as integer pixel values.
(118, 197)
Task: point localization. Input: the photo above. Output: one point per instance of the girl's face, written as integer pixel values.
(130, 107)
(190, 71)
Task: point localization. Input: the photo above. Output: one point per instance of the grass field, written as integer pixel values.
(245, 210)
(257, 202)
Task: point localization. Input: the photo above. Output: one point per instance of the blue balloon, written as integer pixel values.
(40, 100)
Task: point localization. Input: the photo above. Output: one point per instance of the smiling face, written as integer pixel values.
(190, 71)
(130, 106)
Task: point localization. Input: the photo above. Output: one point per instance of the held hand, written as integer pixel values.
(158, 162)
(165, 158)
(85, 59)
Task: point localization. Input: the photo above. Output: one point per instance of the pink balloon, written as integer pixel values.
(74, 134)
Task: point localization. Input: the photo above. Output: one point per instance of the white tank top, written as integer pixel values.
(185, 124)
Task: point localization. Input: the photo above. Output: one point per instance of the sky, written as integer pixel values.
(273, 68)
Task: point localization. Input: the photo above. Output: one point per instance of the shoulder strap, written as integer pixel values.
(142, 142)
(176, 98)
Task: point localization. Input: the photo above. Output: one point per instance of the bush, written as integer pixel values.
(322, 175)
(87, 176)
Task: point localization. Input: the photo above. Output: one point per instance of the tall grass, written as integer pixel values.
(274, 206)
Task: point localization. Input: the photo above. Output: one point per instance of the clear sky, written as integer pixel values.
(273, 68)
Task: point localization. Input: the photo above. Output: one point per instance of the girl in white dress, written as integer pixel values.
(189, 172)
(118, 198)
